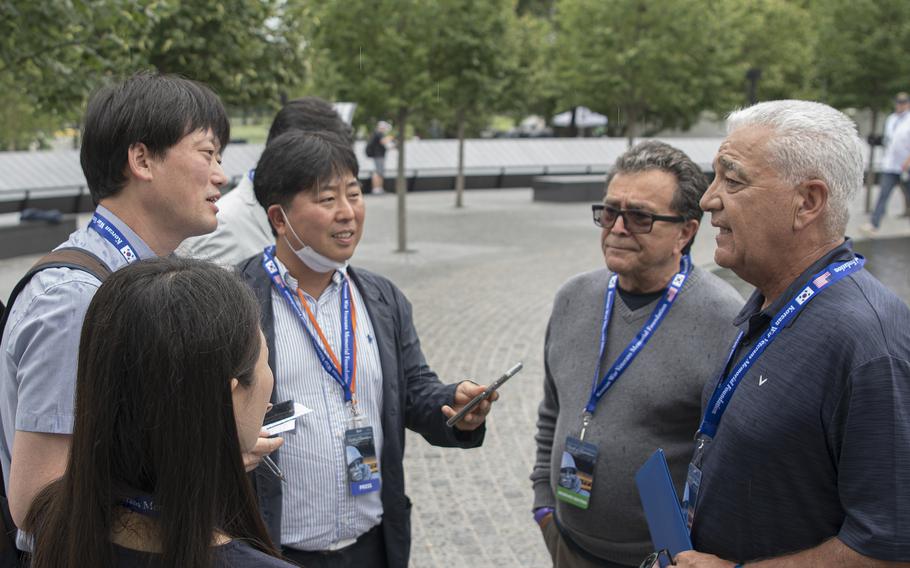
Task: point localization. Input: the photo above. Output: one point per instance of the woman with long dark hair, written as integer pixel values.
(173, 382)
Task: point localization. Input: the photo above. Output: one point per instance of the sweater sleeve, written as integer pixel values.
(546, 426)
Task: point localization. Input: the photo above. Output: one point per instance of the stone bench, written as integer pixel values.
(569, 188)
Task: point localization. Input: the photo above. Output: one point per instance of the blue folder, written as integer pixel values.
(666, 519)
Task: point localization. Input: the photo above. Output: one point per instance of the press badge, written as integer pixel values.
(360, 456)
(576, 473)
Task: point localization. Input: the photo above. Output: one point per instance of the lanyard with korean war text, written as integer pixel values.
(360, 450)
(576, 475)
(109, 232)
(726, 386)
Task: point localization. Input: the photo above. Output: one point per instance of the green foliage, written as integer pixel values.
(246, 51)
(637, 61)
(469, 60)
(777, 37)
(57, 52)
(374, 52)
(862, 56)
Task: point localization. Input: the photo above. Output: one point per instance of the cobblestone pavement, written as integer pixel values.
(482, 280)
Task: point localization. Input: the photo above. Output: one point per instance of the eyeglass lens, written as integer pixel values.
(634, 220)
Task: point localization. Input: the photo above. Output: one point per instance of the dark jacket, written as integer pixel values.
(412, 398)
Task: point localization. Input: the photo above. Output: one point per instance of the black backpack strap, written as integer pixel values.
(67, 257)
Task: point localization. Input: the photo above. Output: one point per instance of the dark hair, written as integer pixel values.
(310, 114)
(161, 341)
(691, 183)
(299, 161)
(155, 109)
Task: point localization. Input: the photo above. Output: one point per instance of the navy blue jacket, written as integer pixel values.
(412, 398)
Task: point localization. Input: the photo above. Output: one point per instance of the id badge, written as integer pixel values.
(576, 474)
(690, 494)
(693, 479)
(360, 456)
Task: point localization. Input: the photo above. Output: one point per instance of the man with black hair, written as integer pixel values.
(341, 342)
(243, 227)
(151, 153)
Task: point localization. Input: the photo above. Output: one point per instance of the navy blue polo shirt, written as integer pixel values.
(816, 440)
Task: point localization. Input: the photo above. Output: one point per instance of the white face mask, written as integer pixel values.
(312, 259)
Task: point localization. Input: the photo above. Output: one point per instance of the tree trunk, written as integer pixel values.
(459, 177)
(870, 171)
(401, 183)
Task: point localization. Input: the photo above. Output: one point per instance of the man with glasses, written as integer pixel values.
(628, 349)
(801, 458)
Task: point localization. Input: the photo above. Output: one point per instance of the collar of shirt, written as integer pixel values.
(292, 283)
(141, 249)
(753, 319)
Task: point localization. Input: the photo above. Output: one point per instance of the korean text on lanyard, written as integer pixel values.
(726, 386)
(344, 372)
(109, 232)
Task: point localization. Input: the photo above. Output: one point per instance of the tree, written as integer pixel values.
(776, 40)
(248, 52)
(861, 59)
(62, 50)
(469, 62)
(658, 63)
(379, 52)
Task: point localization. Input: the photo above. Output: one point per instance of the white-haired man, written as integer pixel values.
(801, 457)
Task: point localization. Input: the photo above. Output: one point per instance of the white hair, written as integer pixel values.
(811, 141)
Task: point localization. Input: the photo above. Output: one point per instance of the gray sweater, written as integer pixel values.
(656, 403)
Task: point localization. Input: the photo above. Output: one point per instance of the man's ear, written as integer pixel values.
(138, 162)
(276, 218)
(811, 201)
(689, 229)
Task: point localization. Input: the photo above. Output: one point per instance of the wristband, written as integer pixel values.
(541, 512)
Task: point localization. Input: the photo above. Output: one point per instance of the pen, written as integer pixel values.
(273, 467)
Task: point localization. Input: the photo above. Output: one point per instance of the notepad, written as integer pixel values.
(666, 519)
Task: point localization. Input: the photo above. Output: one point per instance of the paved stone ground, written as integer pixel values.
(482, 280)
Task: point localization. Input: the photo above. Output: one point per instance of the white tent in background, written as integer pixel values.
(584, 118)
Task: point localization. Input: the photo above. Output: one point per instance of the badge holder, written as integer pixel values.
(693, 479)
(360, 456)
(576, 474)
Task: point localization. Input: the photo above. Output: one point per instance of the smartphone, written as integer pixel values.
(484, 395)
(279, 412)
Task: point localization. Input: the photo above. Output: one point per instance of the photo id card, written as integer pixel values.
(576, 474)
(360, 456)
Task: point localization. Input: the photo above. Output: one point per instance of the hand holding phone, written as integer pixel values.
(487, 392)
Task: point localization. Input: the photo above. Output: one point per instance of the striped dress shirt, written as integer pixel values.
(318, 510)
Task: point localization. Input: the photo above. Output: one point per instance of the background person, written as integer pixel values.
(376, 148)
(373, 375)
(648, 219)
(172, 386)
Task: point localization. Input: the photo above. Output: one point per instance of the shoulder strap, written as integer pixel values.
(67, 257)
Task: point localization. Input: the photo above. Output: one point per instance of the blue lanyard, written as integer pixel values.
(725, 388)
(599, 389)
(109, 232)
(142, 504)
(344, 375)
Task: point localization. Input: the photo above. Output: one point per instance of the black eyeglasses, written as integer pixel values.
(655, 556)
(635, 221)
